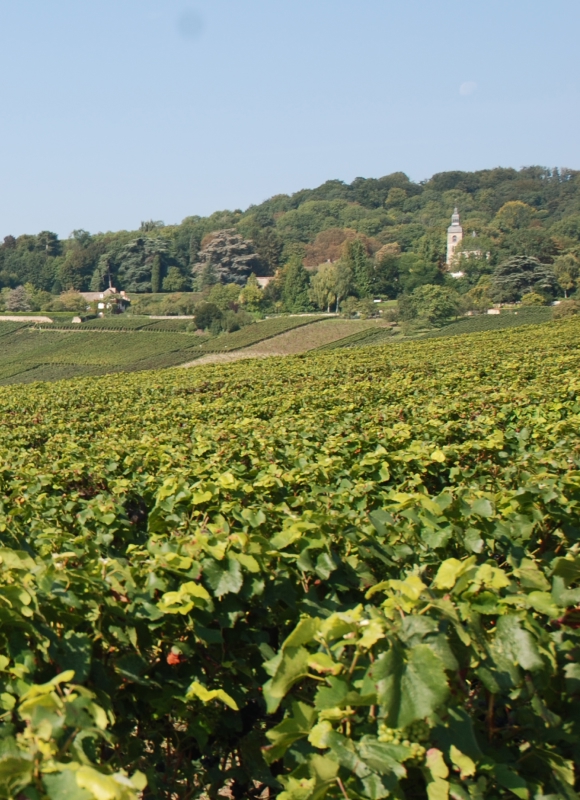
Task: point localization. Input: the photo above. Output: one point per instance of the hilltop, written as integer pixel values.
(533, 211)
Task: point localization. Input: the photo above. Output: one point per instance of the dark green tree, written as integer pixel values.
(295, 286)
(361, 266)
(520, 275)
(206, 314)
(156, 274)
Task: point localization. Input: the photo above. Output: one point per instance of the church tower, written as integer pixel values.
(454, 236)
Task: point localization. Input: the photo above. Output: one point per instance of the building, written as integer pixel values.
(107, 299)
(454, 236)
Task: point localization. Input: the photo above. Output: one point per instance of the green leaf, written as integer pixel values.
(289, 731)
(189, 595)
(482, 507)
(410, 684)
(464, 764)
(64, 786)
(448, 573)
(510, 780)
(304, 632)
(436, 773)
(291, 667)
(290, 534)
(73, 652)
(207, 695)
(517, 644)
(228, 580)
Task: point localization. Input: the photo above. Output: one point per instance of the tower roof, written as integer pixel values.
(455, 226)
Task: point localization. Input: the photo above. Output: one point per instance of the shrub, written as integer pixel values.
(533, 299)
(567, 308)
(206, 314)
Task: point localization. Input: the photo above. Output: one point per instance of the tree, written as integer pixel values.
(206, 314)
(514, 214)
(436, 304)
(226, 257)
(151, 225)
(156, 274)
(225, 296)
(268, 247)
(478, 298)
(137, 259)
(323, 287)
(252, 296)
(295, 286)
(567, 271)
(70, 301)
(387, 271)
(17, 300)
(361, 266)
(519, 275)
(174, 281)
(533, 299)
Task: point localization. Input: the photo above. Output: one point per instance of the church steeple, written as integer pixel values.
(454, 235)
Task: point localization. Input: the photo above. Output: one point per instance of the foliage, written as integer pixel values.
(17, 300)
(345, 574)
(360, 266)
(432, 303)
(520, 275)
(206, 314)
(252, 297)
(533, 299)
(567, 271)
(567, 308)
(363, 309)
(529, 212)
(295, 286)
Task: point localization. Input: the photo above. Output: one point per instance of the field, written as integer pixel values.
(300, 339)
(258, 332)
(28, 355)
(533, 315)
(347, 574)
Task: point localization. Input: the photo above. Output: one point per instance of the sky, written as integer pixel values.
(118, 111)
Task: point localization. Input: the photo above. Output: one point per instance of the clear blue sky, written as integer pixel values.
(116, 111)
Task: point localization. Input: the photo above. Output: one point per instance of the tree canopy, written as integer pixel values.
(390, 231)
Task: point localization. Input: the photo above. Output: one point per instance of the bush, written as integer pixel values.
(533, 299)
(434, 304)
(206, 314)
(567, 308)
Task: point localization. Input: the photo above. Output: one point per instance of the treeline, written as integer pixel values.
(391, 230)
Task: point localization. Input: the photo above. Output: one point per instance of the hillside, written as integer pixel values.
(348, 574)
(532, 211)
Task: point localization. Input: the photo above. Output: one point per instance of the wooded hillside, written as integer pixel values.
(402, 224)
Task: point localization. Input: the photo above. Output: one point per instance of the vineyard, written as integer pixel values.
(352, 574)
(533, 315)
(258, 332)
(37, 354)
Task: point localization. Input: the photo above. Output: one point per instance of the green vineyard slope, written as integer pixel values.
(352, 574)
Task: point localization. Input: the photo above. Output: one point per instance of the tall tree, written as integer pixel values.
(520, 275)
(361, 266)
(156, 274)
(295, 286)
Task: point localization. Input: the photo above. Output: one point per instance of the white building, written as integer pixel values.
(454, 236)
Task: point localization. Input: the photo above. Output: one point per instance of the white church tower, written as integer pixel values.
(454, 236)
